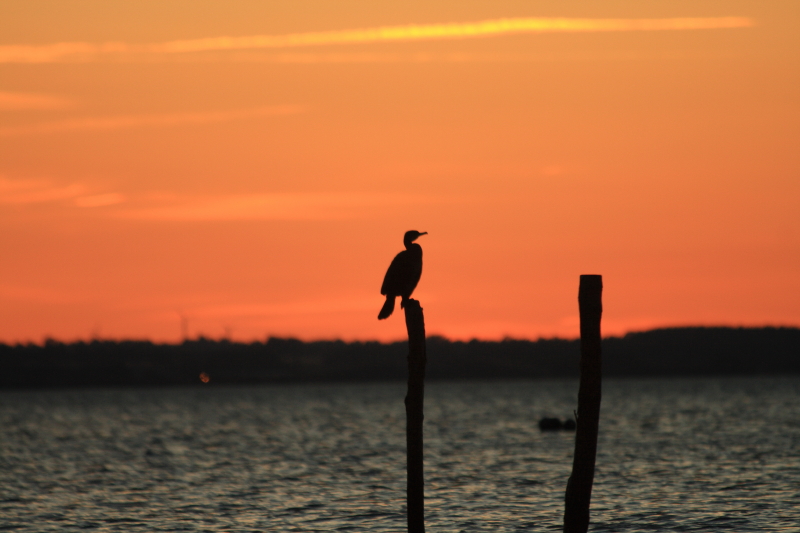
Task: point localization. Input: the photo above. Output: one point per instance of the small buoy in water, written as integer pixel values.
(554, 424)
(550, 424)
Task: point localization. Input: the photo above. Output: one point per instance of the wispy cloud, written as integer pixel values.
(11, 101)
(133, 121)
(361, 302)
(165, 207)
(49, 53)
(41, 191)
(34, 191)
(22, 293)
(447, 31)
(83, 51)
(274, 206)
(100, 200)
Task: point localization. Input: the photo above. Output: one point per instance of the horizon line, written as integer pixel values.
(203, 338)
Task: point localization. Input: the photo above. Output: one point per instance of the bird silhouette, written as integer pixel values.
(403, 275)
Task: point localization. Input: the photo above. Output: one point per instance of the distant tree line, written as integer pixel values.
(692, 351)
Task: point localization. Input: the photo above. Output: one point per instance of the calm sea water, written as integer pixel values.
(674, 455)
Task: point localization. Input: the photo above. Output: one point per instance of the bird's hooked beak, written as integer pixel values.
(412, 235)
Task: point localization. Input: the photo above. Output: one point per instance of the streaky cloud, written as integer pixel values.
(53, 53)
(13, 292)
(100, 200)
(361, 302)
(133, 121)
(33, 191)
(83, 51)
(273, 206)
(14, 101)
(40, 191)
(449, 30)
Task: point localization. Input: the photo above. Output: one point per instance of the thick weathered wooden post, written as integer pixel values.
(417, 357)
(579, 486)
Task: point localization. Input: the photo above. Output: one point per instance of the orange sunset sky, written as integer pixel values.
(247, 168)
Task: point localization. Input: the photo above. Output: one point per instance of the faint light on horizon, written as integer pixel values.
(205, 378)
(84, 51)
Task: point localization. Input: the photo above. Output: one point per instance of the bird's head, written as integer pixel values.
(412, 236)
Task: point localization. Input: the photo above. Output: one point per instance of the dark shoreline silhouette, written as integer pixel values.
(693, 351)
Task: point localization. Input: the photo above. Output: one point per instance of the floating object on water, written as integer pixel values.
(554, 424)
(550, 424)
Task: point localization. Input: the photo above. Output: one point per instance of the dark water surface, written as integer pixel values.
(674, 455)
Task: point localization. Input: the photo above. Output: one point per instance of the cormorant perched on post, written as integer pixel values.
(403, 275)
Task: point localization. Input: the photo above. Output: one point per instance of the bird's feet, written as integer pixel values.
(404, 301)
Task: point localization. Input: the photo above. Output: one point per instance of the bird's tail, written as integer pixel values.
(387, 309)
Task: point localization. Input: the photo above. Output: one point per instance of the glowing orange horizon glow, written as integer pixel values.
(159, 180)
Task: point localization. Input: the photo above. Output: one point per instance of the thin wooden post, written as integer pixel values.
(579, 486)
(417, 357)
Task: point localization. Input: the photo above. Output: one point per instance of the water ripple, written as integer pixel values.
(673, 455)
